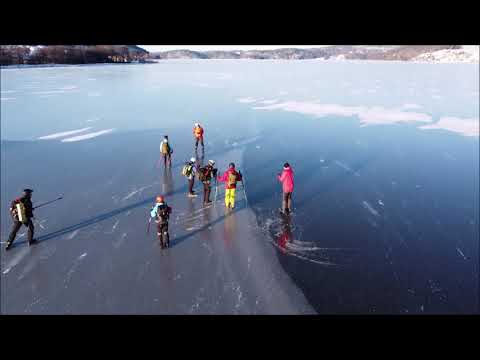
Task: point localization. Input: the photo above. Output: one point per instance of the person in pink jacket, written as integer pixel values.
(286, 178)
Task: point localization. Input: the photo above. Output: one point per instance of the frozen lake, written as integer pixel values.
(386, 162)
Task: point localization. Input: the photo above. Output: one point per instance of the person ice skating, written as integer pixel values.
(198, 134)
(189, 170)
(21, 210)
(161, 213)
(286, 178)
(205, 175)
(230, 178)
(166, 151)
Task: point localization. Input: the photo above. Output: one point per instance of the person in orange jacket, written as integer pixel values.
(198, 134)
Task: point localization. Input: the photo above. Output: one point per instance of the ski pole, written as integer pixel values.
(148, 225)
(244, 192)
(48, 202)
(216, 191)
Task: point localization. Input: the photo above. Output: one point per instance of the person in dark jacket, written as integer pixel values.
(205, 175)
(161, 214)
(24, 217)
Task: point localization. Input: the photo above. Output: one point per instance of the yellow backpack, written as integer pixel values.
(232, 179)
(21, 212)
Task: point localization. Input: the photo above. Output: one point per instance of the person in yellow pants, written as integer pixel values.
(230, 178)
(230, 197)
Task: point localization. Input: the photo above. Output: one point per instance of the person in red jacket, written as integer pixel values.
(198, 134)
(230, 178)
(286, 178)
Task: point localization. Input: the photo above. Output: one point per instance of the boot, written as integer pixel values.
(284, 207)
(289, 205)
(168, 240)
(9, 246)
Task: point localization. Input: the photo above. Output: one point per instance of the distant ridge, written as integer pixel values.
(402, 53)
(91, 54)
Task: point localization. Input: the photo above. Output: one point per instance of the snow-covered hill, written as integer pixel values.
(467, 54)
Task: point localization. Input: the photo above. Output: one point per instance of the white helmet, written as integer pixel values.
(197, 124)
(211, 162)
(192, 159)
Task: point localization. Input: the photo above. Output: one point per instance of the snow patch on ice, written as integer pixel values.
(65, 90)
(63, 134)
(410, 106)
(88, 136)
(268, 102)
(463, 126)
(94, 94)
(246, 100)
(7, 98)
(368, 115)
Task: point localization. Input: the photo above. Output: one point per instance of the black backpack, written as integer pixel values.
(203, 174)
(162, 214)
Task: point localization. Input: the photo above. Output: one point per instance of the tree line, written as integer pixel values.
(69, 54)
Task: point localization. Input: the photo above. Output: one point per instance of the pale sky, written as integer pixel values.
(153, 48)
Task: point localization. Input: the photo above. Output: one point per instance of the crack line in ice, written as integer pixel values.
(462, 254)
(369, 207)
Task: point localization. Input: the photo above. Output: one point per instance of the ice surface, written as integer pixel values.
(334, 260)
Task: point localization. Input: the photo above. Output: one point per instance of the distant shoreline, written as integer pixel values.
(158, 61)
(26, 66)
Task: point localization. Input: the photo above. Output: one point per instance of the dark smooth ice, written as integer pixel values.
(385, 218)
(94, 256)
